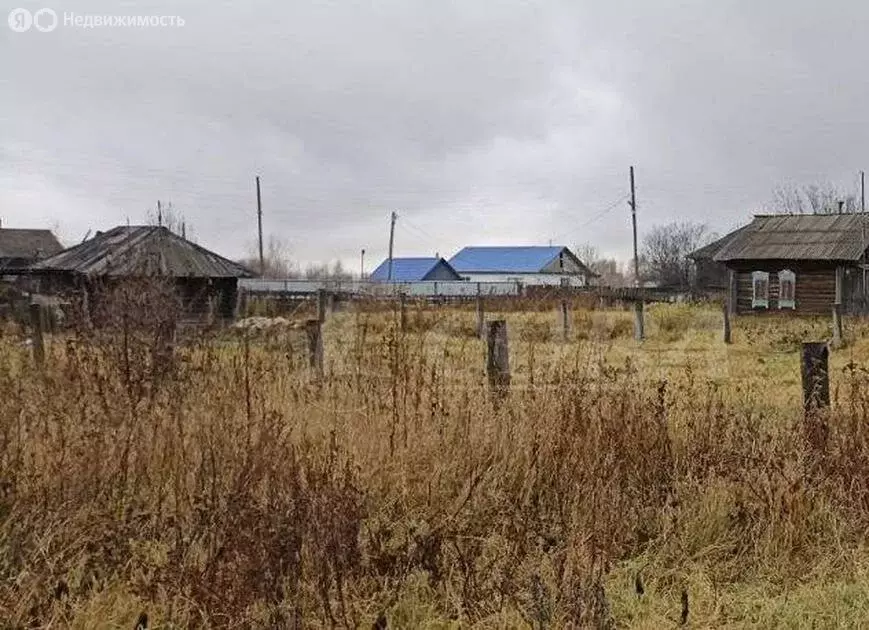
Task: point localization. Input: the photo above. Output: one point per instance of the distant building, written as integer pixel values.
(531, 266)
(20, 248)
(414, 270)
(802, 263)
(708, 273)
(201, 276)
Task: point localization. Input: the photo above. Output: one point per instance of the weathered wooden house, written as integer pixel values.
(20, 248)
(802, 263)
(709, 275)
(204, 281)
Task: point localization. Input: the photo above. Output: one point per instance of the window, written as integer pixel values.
(787, 282)
(760, 289)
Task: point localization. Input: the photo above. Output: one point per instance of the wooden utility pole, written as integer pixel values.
(863, 234)
(259, 220)
(634, 221)
(391, 243)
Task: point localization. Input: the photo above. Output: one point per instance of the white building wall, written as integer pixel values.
(528, 279)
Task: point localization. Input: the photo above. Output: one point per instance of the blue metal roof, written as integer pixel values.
(409, 269)
(504, 259)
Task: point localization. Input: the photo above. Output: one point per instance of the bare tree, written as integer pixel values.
(276, 259)
(820, 198)
(666, 249)
(609, 270)
(170, 218)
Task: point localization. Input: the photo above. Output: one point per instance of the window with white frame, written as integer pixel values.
(759, 289)
(787, 285)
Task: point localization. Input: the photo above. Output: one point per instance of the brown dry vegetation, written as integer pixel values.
(619, 485)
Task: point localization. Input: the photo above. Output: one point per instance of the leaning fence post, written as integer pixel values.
(726, 312)
(837, 325)
(314, 331)
(639, 328)
(814, 368)
(37, 340)
(565, 320)
(481, 314)
(498, 359)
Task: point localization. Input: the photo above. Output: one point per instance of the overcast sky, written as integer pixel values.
(504, 122)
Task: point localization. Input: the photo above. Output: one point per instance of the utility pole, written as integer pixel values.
(259, 217)
(634, 219)
(391, 243)
(863, 230)
(362, 264)
(159, 214)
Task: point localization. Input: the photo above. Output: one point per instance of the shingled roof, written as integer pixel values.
(27, 244)
(141, 250)
(798, 237)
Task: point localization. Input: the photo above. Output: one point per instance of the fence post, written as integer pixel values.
(37, 339)
(726, 312)
(498, 359)
(321, 305)
(481, 315)
(565, 320)
(402, 306)
(814, 369)
(639, 328)
(314, 331)
(837, 325)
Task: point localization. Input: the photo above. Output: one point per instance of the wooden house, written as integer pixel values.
(204, 281)
(709, 275)
(802, 263)
(20, 248)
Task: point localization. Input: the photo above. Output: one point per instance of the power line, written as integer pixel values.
(612, 206)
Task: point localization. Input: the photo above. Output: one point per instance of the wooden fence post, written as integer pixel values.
(481, 314)
(639, 327)
(314, 331)
(402, 306)
(726, 312)
(814, 369)
(37, 339)
(498, 359)
(321, 305)
(565, 321)
(837, 326)
(732, 291)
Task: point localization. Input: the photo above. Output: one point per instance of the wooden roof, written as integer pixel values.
(798, 237)
(142, 250)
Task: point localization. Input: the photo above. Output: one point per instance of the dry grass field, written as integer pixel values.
(619, 485)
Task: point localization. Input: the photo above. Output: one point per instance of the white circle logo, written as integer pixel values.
(20, 20)
(45, 20)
